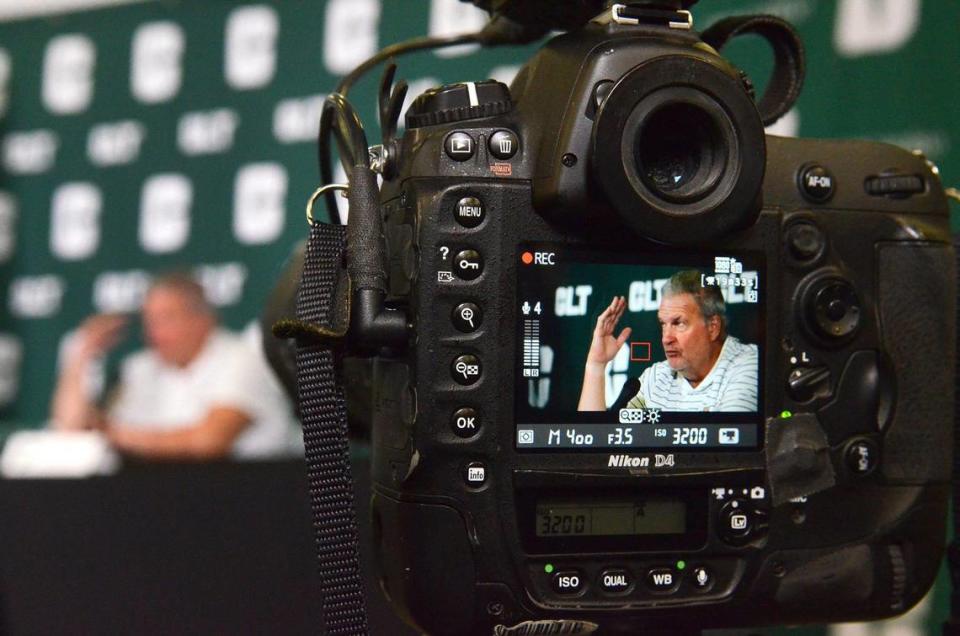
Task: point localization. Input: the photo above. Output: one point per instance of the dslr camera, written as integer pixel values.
(638, 366)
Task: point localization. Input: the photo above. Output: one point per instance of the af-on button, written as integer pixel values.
(816, 183)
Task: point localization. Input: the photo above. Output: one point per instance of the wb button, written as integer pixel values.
(662, 580)
(465, 422)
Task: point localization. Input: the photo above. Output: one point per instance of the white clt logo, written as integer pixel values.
(120, 292)
(8, 224)
(296, 119)
(5, 72)
(68, 66)
(251, 46)
(156, 69)
(30, 151)
(36, 296)
(866, 27)
(75, 220)
(165, 202)
(115, 143)
(259, 203)
(350, 33)
(453, 17)
(11, 353)
(209, 132)
(222, 284)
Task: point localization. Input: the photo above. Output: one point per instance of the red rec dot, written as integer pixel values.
(527, 258)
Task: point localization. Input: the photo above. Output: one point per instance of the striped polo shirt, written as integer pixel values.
(731, 384)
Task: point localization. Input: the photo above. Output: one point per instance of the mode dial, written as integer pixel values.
(457, 102)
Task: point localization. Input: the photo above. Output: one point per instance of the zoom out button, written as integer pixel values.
(466, 369)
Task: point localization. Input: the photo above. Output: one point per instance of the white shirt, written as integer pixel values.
(731, 385)
(228, 372)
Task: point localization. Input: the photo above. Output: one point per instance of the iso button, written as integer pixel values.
(466, 369)
(468, 264)
(567, 582)
(469, 212)
(465, 422)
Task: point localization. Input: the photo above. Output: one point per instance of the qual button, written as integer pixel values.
(469, 212)
(614, 581)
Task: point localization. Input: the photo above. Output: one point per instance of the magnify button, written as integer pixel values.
(467, 317)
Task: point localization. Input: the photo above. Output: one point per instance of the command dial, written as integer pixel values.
(459, 102)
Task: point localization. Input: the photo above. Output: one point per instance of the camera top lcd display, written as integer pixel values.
(638, 350)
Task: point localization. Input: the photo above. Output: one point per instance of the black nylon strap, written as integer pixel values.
(951, 627)
(789, 62)
(324, 416)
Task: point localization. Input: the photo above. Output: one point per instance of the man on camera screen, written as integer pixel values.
(706, 369)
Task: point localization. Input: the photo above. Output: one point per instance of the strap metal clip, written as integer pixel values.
(625, 14)
(319, 192)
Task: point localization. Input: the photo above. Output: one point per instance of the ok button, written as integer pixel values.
(466, 369)
(466, 422)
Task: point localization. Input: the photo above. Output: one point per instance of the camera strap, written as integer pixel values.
(320, 328)
(951, 627)
(789, 61)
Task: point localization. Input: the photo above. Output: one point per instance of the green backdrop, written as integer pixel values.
(174, 134)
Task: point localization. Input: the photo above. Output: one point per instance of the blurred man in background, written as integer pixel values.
(196, 392)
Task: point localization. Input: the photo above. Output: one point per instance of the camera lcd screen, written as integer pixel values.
(610, 518)
(638, 350)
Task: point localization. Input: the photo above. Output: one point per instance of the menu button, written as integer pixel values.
(469, 212)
